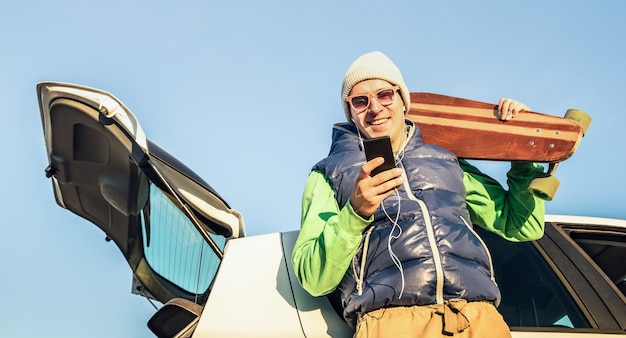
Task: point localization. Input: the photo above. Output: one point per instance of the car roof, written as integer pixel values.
(572, 220)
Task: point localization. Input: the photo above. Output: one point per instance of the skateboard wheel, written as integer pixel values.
(579, 116)
(544, 187)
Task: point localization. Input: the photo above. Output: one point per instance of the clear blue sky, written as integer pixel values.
(245, 93)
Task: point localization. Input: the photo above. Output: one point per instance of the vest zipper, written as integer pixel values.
(359, 277)
(431, 240)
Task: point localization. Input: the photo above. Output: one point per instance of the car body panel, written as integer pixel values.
(255, 293)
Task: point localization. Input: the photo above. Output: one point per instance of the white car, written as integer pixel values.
(187, 247)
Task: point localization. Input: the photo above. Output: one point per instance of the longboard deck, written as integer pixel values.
(470, 129)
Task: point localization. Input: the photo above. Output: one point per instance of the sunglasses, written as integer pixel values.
(361, 102)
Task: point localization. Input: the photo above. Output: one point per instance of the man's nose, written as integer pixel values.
(375, 106)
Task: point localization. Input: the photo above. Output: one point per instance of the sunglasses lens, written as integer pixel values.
(359, 102)
(385, 97)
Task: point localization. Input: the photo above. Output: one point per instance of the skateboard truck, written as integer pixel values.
(545, 185)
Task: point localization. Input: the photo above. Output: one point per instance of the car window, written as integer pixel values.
(532, 294)
(607, 248)
(174, 248)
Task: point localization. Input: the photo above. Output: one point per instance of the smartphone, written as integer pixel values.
(379, 147)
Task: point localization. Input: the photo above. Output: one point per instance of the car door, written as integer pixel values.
(555, 284)
(168, 223)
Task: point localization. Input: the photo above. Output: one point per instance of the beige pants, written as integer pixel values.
(456, 318)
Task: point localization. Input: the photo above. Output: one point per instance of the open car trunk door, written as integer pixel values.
(169, 224)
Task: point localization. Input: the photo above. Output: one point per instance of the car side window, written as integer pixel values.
(532, 294)
(607, 248)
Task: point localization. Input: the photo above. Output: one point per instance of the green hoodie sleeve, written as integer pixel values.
(515, 214)
(329, 237)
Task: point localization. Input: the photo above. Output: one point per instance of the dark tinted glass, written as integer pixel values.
(532, 295)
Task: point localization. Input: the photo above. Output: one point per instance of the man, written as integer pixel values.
(399, 246)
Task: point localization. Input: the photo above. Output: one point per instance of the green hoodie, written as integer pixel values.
(329, 236)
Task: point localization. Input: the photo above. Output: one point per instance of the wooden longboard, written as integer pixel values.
(470, 129)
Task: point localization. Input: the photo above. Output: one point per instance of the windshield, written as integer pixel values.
(174, 248)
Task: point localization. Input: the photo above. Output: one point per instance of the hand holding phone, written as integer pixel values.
(379, 147)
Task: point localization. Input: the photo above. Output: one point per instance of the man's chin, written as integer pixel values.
(377, 131)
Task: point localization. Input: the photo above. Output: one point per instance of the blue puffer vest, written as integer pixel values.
(441, 256)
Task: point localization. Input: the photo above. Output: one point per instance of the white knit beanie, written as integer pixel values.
(373, 65)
